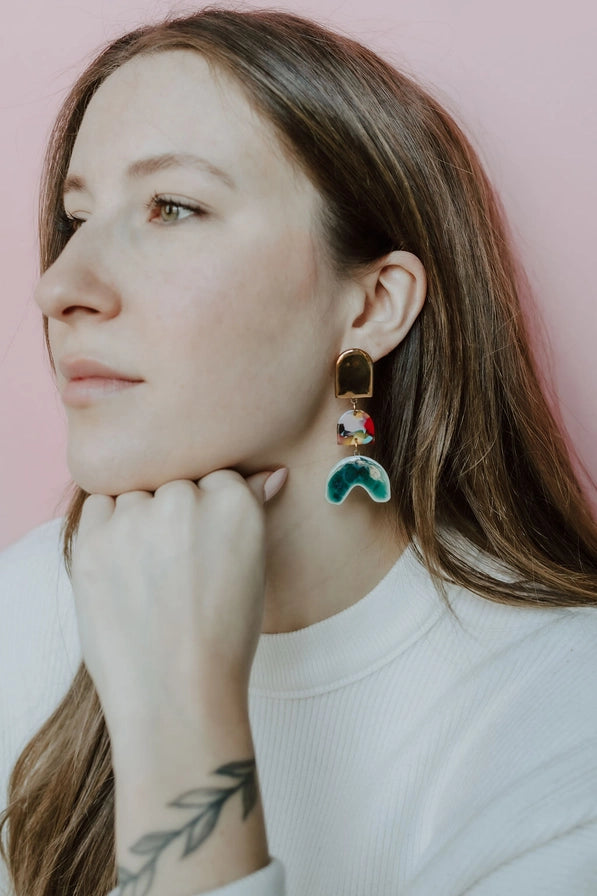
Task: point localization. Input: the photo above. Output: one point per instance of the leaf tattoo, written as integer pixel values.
(209, 802)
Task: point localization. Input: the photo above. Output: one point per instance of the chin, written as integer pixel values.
(110, 480)
(109, 477)
(110, 471)
(111, 485)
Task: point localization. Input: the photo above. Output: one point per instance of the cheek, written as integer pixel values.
(245, 299)
(240, 329)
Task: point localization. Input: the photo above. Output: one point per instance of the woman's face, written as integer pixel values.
(225, 312)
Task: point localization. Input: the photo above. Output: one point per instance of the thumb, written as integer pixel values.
(265, 485)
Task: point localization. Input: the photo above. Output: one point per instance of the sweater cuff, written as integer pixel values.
(267, 881)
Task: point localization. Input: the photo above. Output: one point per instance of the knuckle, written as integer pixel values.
(235, 496)
(176, 493)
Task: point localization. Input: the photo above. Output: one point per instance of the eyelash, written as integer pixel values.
(157, 201)
(68, 224)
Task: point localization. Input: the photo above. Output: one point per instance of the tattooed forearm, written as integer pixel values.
(207, 803)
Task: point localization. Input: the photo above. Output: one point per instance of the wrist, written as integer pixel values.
(214, 721)
(152, 746)
(191, 825)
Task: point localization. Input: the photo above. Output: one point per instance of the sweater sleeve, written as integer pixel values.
(268, 881)
(561, 866)
(539, 835)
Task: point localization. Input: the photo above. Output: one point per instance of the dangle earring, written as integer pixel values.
(354, 379)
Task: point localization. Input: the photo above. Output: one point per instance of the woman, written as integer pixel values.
(243, 218)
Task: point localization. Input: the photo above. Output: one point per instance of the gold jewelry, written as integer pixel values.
(354, 379)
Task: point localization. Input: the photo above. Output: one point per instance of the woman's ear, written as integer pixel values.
(386, 302)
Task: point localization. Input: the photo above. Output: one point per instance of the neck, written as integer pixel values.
(322, 558)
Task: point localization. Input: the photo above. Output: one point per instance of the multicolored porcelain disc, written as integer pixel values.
(355, 425)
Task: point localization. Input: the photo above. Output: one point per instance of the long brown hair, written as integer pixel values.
(465, 431)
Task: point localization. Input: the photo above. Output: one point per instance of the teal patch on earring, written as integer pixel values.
(357, 470)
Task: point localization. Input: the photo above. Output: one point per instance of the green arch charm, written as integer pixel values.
(357, 470)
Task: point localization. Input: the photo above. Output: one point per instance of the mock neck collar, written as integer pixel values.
(352, 643)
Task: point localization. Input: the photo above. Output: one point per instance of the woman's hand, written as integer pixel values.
(169, 594)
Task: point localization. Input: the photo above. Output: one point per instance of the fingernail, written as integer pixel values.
(274, 483)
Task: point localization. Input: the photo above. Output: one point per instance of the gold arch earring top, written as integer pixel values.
(354, 374)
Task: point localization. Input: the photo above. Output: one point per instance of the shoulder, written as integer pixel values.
(517, 733)
(531, 649)
(34, 585)
(39, 644)
(529, 670)
(31, 573)
(528, 698)
(35, 592)
(36, 551)
(498, 626)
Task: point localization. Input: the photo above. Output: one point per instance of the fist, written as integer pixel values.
(169, 595)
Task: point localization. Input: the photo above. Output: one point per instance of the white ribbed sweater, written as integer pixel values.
(399, 752)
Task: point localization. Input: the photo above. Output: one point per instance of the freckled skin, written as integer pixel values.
(227, 316)
(233, 319)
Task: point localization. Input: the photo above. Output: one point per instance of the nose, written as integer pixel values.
(79, 282)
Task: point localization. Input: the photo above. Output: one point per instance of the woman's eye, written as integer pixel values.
(67, 225)
(169, 210)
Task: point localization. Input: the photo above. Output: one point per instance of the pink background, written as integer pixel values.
(520, 77)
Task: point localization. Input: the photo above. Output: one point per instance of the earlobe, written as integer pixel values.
(392, 296)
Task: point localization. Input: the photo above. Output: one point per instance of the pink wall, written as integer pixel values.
(520, 76)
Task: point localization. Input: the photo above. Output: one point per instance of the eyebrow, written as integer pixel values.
(152, 164)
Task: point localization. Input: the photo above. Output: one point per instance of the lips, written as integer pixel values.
(75, 367)
(89, 381)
